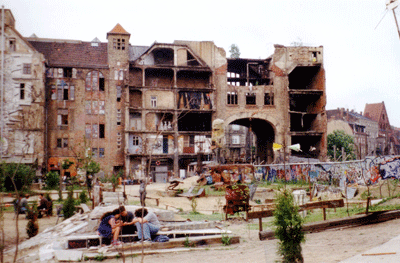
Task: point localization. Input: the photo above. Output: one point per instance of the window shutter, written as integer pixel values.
(72, 92)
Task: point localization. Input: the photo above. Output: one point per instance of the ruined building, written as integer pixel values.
(23, 98)
(139, 107)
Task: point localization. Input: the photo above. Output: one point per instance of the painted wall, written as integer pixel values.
(369, 170)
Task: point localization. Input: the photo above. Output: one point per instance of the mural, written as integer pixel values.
(367, 171)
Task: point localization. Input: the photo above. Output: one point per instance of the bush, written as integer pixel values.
(289, 230)
(69, 207)
(83, 197)
(52, 180)
(23, 176)
(32, 228)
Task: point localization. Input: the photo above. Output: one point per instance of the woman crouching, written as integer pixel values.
(110, 225)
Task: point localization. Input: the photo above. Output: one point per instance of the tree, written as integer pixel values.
(14, 173)
(235, 53)
(289, 227)
(339, 139)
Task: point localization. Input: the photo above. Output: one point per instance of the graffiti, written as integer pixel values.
(368, 171)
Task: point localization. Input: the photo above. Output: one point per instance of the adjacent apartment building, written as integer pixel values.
(150, 109)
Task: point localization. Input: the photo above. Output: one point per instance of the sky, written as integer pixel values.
(361, 55)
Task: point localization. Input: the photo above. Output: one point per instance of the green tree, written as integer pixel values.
(22, 175)
(234, 50)
(289, 227)
(52, 180)
(339, 139)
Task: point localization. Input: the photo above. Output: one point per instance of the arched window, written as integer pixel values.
(94, 81)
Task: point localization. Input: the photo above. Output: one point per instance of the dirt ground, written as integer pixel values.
(327, 246)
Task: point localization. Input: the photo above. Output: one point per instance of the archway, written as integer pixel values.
(265, 136)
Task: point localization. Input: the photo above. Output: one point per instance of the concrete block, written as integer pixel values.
(68, 255)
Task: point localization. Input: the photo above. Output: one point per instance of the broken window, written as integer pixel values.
(95, 128)
(62, 119)
(135, 141)
(101, 84)
(101, 152)
(268, 99)
(232, 98)
(67, 73)
(12, 44)
(119, 93)
(94, 152)
(88, 131)
(153, 101)
(88, 107)
(59, 143)
(22, 91)
(102, 131)
(62, 142)
(250, 98)
(101, 107)
(93, 80)
(65, 93)
(26, 69)
(119, 117)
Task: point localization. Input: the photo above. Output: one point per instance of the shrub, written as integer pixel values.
(69, 204)
(288, 230)
(52, 180)
(83, 197)
(32, 228)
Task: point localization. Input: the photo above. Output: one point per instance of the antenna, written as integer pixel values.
(391, 5)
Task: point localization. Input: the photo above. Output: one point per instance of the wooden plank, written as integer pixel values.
(358, 220)
(379, 254)
(321, 204)
(258, 214)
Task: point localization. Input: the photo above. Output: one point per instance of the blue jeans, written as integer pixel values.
(148, 230)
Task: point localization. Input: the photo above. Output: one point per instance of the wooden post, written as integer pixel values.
(260, 223)
(324, 211)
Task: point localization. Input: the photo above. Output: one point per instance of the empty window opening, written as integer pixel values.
(102, 131)
(268, 99)
(26, 69)
(63, 118)
(153, 101)
(101, 84)
(191, 61)
(62, 142)
(250, 99)
(94, 152)
(232, 98)
(22, 91)
(65, 94)
(119, 117)
(12, 44)
(163, 56)
(67, 72)
(135, 141)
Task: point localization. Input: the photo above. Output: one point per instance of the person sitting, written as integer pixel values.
(21, 205)
(150, 224)
(43, 206)
(128, 227)
(110, 225)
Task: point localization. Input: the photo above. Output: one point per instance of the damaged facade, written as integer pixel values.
(23, 125)
(132, 106)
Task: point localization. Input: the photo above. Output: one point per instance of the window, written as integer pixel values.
(119, 93)
(94, 81)
(268, 99)
(119, 43)
(250, 99)
(12, 44)
(26, 69)
(136, 141)
(22, 91)
(235, 139)
(94, 152)
(65, 93)
(102, 131)
(67, 72)
(62, 120)
(235, 127)
(101, 152)
(153, 101)
(88, 131)
(119, 114)
(232, 98)
(62, 142)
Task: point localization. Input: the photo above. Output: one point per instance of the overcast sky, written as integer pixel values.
(362, 63)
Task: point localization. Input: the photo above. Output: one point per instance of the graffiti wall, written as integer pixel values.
(367, 171)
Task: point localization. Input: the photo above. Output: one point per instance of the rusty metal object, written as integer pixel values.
(237, 199)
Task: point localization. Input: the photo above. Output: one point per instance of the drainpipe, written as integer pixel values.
(2, 80)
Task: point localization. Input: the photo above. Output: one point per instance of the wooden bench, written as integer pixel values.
(308, 206)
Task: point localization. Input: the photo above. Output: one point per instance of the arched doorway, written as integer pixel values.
(259, 139)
